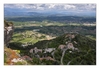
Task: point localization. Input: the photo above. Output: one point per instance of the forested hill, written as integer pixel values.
(77, 19)
(80, 39)
(67, 49)
(71, 49)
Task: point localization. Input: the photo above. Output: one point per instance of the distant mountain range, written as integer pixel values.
(16, 12)
(7, 14)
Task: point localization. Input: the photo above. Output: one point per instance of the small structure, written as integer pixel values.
(73, 36)
(49, 50)
(31, 51)
(76, 49)
(47, 58)
(36, 50)
(70, 35)
(70, 46)
(40, 50)
(61, 47)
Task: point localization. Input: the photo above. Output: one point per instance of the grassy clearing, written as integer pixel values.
(29, 36)
(91, 37)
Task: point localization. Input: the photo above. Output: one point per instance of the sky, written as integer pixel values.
(52, 7)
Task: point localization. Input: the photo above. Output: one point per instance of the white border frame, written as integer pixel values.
(2, 2)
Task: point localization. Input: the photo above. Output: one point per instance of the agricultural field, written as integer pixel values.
(29, 37)
(30, 32)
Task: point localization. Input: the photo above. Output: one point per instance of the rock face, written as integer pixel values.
(8, 32)
(12, 57)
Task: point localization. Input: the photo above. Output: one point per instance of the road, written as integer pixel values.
(63, 53)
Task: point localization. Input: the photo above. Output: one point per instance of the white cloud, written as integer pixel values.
(51, 6)
(69, 7)
(78, 7)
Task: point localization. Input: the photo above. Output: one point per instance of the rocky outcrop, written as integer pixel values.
(8, 32)
(12, 57)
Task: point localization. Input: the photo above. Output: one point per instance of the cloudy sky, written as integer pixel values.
(52, 7)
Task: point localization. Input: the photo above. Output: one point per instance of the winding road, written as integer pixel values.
(63, 53)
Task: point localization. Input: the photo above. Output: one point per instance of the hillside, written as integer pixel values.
(72, 49)
(80, 39)
(12, 57)
(67, 49)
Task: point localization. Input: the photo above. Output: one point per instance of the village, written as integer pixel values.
(49, 53)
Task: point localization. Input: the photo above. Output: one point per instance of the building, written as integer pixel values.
(70, 46)
(49, 50)
(61, 47)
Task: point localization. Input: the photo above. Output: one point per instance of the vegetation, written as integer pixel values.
(86, 54)
(53, 18)
(51, 32)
